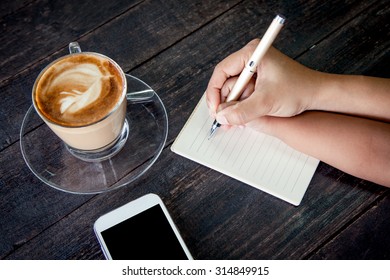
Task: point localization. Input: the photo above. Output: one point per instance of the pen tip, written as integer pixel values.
(213, 129)
(212, 132)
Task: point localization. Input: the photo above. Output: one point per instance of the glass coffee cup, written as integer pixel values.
(82, 98)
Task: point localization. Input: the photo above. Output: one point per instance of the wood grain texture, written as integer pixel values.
(364, 238)
(44, 26)
(16, 92)
(162, 26)
(12, 6)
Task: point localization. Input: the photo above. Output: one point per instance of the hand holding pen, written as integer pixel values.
(251, 66)
(284, 88)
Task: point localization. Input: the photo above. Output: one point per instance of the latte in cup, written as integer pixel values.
(82, 98)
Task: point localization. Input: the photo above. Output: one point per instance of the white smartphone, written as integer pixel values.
(140, 230)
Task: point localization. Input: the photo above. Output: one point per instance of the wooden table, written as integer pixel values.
(173, 46)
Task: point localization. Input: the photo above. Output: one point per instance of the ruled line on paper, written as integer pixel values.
(256, 154)
(290, 173)
(266, 145)
(259, 160)
(199, 134)
(239, 150)
(249, 150)
(278, 163)
(300, 172)
(223, 150)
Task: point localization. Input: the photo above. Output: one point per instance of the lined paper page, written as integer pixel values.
(256, 159)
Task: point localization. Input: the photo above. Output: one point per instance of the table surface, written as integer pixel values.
(173, 46)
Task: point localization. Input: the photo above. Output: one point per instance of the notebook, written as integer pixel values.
(257, 159)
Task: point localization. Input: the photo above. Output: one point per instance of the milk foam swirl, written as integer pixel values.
(87, 81)
(79, 89)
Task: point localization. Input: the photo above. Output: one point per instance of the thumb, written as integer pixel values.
(239, 113)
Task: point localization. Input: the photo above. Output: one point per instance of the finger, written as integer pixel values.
(243, 112)
(213, 99)
(223, 106)
(229, 84)
(223, 71)
(248, 90)
(229, 67)
(227, 88)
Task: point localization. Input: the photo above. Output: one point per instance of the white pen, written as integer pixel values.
(251, 66)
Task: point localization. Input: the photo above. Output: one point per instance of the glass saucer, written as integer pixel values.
(50, 160)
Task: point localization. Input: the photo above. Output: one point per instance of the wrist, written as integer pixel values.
(326, 92)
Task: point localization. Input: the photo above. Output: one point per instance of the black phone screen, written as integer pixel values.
(145, 236)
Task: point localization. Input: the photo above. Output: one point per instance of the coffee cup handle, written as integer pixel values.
(74, 47)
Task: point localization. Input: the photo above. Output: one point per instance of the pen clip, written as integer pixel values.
(251, 66)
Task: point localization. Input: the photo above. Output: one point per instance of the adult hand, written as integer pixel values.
(281, 87)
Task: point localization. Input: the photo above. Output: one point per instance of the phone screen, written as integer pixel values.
(145, 236)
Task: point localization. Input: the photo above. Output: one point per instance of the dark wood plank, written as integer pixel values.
(9, 7)
(380, 68)
(210, 209)
(164, 27)
(356, 48)
(45, 26)
(365, 238)
(28, 206)
(328, 195)
(178, 75)
(16, 93)
(220, 218)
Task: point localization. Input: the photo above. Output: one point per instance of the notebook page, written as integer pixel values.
(254, 158)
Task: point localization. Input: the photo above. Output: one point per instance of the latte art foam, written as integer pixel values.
(84, 76)
(79, 90)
